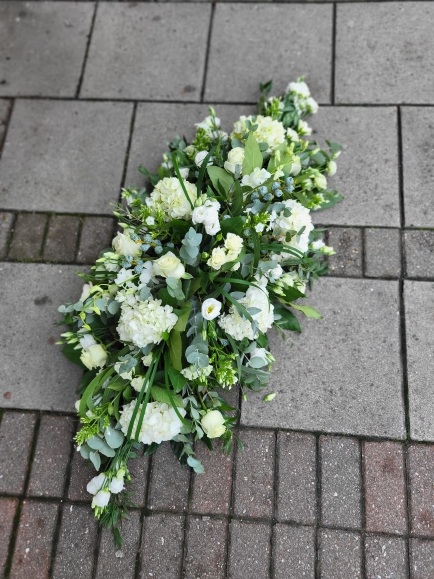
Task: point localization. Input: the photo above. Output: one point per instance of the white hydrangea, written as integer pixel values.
(169, 198)
(299, 217)
(145, 322)
(268, 131)
(160, 422)
(191, 374)
(240, 328)
(256, 178)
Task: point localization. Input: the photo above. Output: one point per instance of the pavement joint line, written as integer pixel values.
(318, 509)
(128, 150)
(7, 121)
(186, 525)
(333, 57)
(207, 51)
(79, 234)
(362, 501)
(274, 504)
(86, 52)
(44, 239)
(363, 251)
(408, 507)
(143, 511)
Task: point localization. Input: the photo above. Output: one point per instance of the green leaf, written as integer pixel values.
(114, 438)
(95, 459)
(95, 442)
(195, 464)
(252, 155)
(73, 355)
(183, 315)
(175, 349)
(219, 175)
(177, 379)
(269, 397)
(308, 311)
(237, 201)
(233, 225)
(161, 395)
(288, 321)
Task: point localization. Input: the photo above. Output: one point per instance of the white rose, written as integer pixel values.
(235, 157)
(213, 424)
(94, 485)
(199, 158)
(331, 170)
(233, 242)
(94, 357)
(123, 245)
(211, 309)
(101, 499)
(88, 286)
(218, 258)
(168, 265)
(256, 178)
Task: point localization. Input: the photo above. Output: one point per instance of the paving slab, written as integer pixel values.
(42, 47)
(421, 559)
(131, 41)
(73, 154)
(16, 436)
(367, 175)
(249, 550)
(382, 53)
(156, 124)
(418, 297)
(383, 253)
(161, 552)
(343, 373)
(293, 552)
(61, 242)
(8, 509)
(237, 58)
(419, 253)
(28, 236)
(29, 334)
(421, 472)
(348, 245)
(96, 235)
(385, 557)
(340, 555)
(205, 548)
(417, 126)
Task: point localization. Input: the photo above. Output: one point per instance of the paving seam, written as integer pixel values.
(207, 52)
(86, 52)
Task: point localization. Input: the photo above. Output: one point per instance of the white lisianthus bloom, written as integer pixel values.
(183, 171)
(169, 198)
(234, 243)
(124, 275)
(147, 360)
(124, 245)
(116, 485)
(110, 261)
(320, 181)
(137, 383)
(94, 357)
(145, 322)
(209, 123)
(299, 217)
(160, 422)
(268, 131)
(295, 165)
(292, 135)
(150, 220)
(200, 157)
(331, 168)
(87, 340)
(312, 105)
(235, 157)
(101, 499)
(198, 215)
(317, 244)
(213, 424)
(290, 279)
(211, 308)
(218, 258)
(299, 88)
(303, 128)
(146, 276)
(86, 290)
(94, 485)
(192, 374)
(168, 265)
(256, 178)
(259, 228)
(275, 273)
(212, 225)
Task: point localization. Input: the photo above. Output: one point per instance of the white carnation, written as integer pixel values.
(169, 198)
(145, 322)
(160, 422)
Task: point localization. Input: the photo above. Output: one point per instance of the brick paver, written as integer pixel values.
(340, 555)
(42, 47)
(385, 557)
(61, 242)
(384, 487)
(348, 261)
(96, 235)
(162, 534)
(249, 550)
(206, 548)
(169, 483)
(419, 253)
(32, 555)
(293, 552)
(382, 253)
(114, 53)
(8, 509)
(421, 476)
(239, 81)
(28, 237)
(16, 437)
(73, 152)
(421, 559)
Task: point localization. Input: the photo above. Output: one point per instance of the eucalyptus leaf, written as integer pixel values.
(114, 438)
(95, 459)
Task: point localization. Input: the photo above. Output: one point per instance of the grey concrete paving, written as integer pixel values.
(343, 373)
(235, 70)
(419, 298)
(383, 253)
(147, 51)
(35, 373)
(367, 174)
(417, 149)
(151, 134)
(419, 253)
(42, 47)
(64, 156)
(382, 53)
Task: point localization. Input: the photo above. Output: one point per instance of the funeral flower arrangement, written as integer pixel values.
(176, 313)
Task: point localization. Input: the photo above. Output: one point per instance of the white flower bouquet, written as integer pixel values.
(176, 313)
